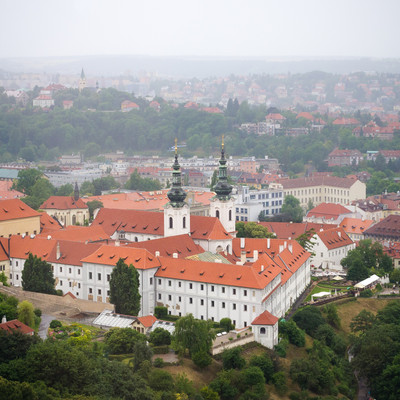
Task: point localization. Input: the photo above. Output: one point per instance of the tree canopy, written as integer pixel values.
(291, 208)
(252, 230)
(124, 289)
(37, 276)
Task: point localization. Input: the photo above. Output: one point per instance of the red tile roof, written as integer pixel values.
(183, 245)
(109, 255)
(305, 115)
(147, 321)
(78, 234)
(334, 238)
(346, 121)
(48, 224)
(265, 318)
(356, 225)
(63, 203)
(286, 230)
(71, 253)
(275, 116)
(15, 325)
(328, 211)
(209, 228)
(15, 209)
(388, 228)
(215, 273)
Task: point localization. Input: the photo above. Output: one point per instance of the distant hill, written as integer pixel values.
(185, 67)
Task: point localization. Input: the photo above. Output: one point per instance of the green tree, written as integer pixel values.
(103, 184)
(291, 207)
(15, 345)
(37, 276)
(26, 314)
(265, 363)
(87, 188)
(332, 316)
(124, 289)
(122, 340)
(160, 337)
(26, 179)
(193, 334)
(65, 190)
(141, 352)
(136, 182)
(161, 380)
(232, 359)
(252, 230)
(202, 359)
(226, 324)
(363, 321)
(309, 319)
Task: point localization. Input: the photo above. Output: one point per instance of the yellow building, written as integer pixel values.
(17, 218)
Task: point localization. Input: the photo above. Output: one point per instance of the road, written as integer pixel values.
(44, 325)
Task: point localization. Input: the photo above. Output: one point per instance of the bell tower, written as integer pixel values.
(176, 211)
(222, 204)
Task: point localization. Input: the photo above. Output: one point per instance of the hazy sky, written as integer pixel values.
(200, 27)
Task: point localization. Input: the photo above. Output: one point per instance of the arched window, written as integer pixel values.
(217, 214)
(184, 223)
(171, 223)
(230, 215)
(136, 239)
(74, 220)
(262, 331)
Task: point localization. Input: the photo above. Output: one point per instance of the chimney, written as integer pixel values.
(58, 252)
(262, 268)
(157, 253)
(255, 255)
(242, 242)
(280, 248)
(268, 243)
(339, 234)
(290, 247)
(243, 257)
(285, 244)
(175, 255)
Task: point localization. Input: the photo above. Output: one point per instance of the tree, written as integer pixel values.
(141, 352)
(160, 337)
(124, 289)
(87, 188)
(232, 359)
(193, 334)
(202, 359)
(291, 207)
(332, 316)
(226, 324)
(305, 240)
(15, 345)
(136, 182)
(309, 319)
(65, 190)
(94, 205)
(265, 363)
(37, 276)
(252, 230)
(26, 179)
(362, 322)
(122, 340)
(161, 380)
(26, 314)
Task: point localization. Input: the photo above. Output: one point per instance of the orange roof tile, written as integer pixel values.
(265, 318)
(334, 238)
(48, 224)
(287, 230)
(15, 325)
(215, 273)
(356, 225)
(183, 245)
(15, 209)
(4, 249)
(20, 247)
(63, 203)
(78, 233)
(71, 253)
(207, 228)
(109, 255)
(328, 211)
(147, 321)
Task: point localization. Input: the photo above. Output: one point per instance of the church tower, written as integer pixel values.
(222, 205)
(176, 211)
(82, 81)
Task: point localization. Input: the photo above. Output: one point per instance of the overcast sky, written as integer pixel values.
(334, 28)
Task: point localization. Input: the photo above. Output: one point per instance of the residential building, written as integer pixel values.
(355, 227)
(386, 230)
(330, 213)
(344, 157)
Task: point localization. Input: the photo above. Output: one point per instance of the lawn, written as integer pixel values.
(326, 287)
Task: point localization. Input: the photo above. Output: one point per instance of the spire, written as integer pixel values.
(83, 75)
(176, 194)
(223, 188)
(76, 192)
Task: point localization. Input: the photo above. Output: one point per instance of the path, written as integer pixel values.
(44, 325)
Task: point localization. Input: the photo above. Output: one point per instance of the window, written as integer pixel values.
(190, 285)
(179, 298)
(244, 292)
(169, 297)
(230, 215)
(190, 300)
(159, 296)
(233, 291)
(212, 303)
(212, 288)
(79, 271)
(201, 317)
(223, 304)
(262, 331)
(17, 276)
(245, 308)
(99, 292)
(16, 263)
(60, 281)
(108, 277)
(70, 284)
(159, 281)
(223, 290)
(90, 275)
(169, 283)
(69, 270)
(179, 284)
(60, 267)
(217, 214)
(79, 285)
(184, 223)
(108, 292)
(201, 287)
(171, 223)
(90, 290)
(245, 323)
(233, 306)
(151, 281)
(99, 277)
(202, 302)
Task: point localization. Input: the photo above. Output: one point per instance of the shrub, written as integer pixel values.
(158, 362)
(202, 359)
(366, 293)
(279, 379)
(309, 319)
(38, 312)
(226, 324)
(232, 359)
(160, 349)
(55, 324)
(160, 337)
(265, 363)
(281, 347)
(160, 312)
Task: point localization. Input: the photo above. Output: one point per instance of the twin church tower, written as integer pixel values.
(177, 211)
